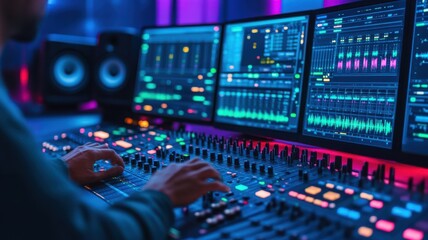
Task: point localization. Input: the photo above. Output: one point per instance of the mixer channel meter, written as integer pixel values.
(178, 72)
(262, 72)
(415, 138)
(354, 74)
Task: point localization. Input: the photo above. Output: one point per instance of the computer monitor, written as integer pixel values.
(354, 76)
(261, 73)
(415, 136)
(178, 72)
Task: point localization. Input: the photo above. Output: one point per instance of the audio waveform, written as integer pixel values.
(342, 123)
(253, 115)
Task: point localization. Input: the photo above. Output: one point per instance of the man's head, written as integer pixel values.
(19, 19)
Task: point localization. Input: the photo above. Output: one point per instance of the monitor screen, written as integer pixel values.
(262, 72)
(353, 83)
(178, 72)
(415, 138)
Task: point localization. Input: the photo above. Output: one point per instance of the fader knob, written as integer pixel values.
(236, 162)
(270, 170)
(247, 164)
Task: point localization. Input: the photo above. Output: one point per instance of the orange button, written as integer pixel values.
(331, 196)
(313, 190)
(365, 232)
(123, 144)
(262, 194)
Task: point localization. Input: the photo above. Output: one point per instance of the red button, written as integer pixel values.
(413, 234)
(385, 225)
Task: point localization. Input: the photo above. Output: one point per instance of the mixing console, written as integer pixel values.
(278, 191)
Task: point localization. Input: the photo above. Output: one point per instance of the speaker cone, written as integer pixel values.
(112, 73)
(69, 72)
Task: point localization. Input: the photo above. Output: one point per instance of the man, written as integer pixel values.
(39, 202)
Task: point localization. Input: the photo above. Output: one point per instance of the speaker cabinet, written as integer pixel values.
(116, 67)
(67, 69)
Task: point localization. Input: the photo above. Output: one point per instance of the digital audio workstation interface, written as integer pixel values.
(354, 76)
(178, 72)
(415, 137)
(262, 72)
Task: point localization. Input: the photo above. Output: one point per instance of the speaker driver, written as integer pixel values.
(69, 72)
(112, 73)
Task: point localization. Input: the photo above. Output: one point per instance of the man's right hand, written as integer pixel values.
(185, 183)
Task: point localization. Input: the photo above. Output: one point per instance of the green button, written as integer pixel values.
(241, 187)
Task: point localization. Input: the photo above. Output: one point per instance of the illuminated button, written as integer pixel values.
(349, 213)
(401, 212)
(330, 185)
(123, 144)
(385, 225)
(349, 191)
(293, 193)
(376, 204)
(317, 202)
(151, 151)
(301, 196)
(168, 146)
(152, 133)
(414, 207)
(331, 196)
(365, 232)
(309, 199)
(313, 190)
(101, 134)
(340, 188)
(413, 234)
(366, 196)
(241, 187)
(262, 194)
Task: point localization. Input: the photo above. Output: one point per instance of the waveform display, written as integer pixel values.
(350, 124)
(178, 68)
(355, 66)
(415, 131)
(262, 72)
(262, 108)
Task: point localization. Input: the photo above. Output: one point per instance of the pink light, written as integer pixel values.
(163, 12)
(348, 65)
(411, 233)
(357, 64)
(138, 107)
(393, 63)
(89, 106)
(374, 64)
(385, 225)
(365, 63)
(24, 92)
(376, 204)
(383, 63)
(274, 7)
(340, 65)
(216, 28)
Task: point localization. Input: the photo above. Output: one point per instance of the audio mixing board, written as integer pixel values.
(278, 191)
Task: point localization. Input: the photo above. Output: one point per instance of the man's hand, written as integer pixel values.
(80, 163)
(186, 182)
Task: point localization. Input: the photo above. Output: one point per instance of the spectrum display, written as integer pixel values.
(262, 72)
(415, 138)
(178, 70)
(354, 74)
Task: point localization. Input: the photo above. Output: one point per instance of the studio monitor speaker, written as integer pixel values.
(116, 67)
(67, 69)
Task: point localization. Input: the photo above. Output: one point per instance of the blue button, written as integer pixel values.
(401, 212)
(414, 207)
(345, 212)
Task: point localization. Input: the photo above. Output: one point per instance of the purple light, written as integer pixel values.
(274, 7)
(163, 12)
(189, 12)
(330, 3)
(92, 105)
(197, 11)
(211, 11)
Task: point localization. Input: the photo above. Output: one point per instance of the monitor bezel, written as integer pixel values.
(263, 132)
(168, 118)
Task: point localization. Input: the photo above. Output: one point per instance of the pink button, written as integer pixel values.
(376, 204)
(385, 225)
(413, 234)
